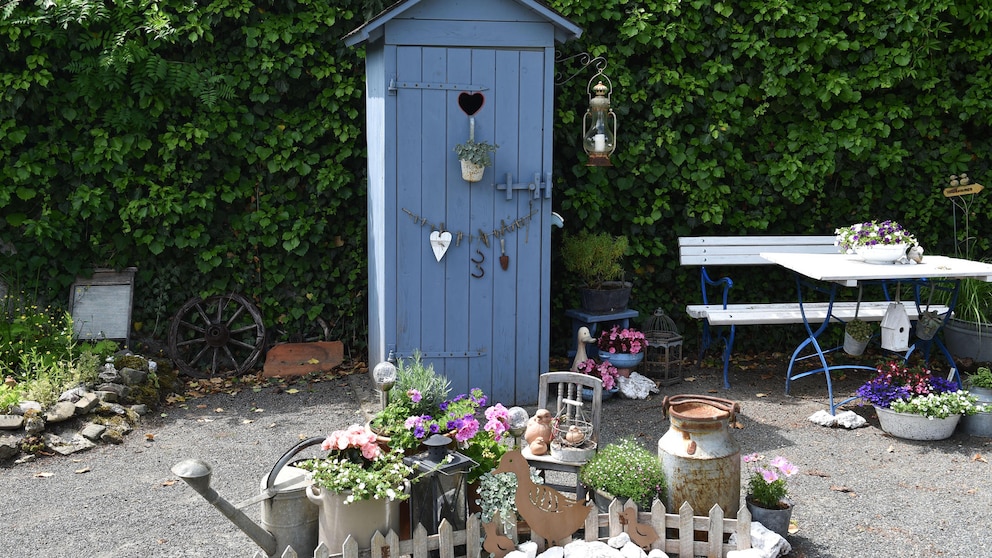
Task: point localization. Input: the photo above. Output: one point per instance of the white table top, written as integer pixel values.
(848, 269)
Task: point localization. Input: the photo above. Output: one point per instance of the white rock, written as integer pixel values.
(529, 548)
(769, 542)
(847, 419)
(636, 386)
(515, 554)
(657, 553)
(850, 420)
(553, 552)
(619, 541)
(631, 550)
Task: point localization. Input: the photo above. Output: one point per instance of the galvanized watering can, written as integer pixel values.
(288, 519)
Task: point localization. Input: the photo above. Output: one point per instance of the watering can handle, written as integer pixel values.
(726, 405)
(271, 480)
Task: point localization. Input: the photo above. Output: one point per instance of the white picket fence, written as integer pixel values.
(713, 530)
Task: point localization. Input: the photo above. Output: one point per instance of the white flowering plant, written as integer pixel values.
(872, 233)
(939, 405)
(357, 466)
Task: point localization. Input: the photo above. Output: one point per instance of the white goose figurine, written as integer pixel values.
(582, 338)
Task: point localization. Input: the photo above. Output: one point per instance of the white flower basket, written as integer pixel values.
(472, 172)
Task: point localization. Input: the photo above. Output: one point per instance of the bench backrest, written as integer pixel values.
(745, 250)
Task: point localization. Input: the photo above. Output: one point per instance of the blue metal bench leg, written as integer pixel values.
(728, 348)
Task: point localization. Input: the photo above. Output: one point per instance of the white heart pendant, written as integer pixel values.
(439, 243)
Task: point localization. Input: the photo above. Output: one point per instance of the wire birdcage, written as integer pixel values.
(663, 356)
(572, 433)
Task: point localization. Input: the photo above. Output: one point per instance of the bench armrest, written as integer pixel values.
(706, 281)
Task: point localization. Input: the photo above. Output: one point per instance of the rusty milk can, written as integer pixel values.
(702, 461)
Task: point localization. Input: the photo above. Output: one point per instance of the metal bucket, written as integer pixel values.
(701, 460)
(979, 424)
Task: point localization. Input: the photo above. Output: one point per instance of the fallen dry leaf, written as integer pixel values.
(150, 437)
(169, 483)
(689, 379)
(81, 471)
(292, 390)
(761, 395)
(43, 475)
(890, 449)
(246, 421)
(978, 457)
(219, 410)
(313, 361)
(259, 410)
(201, 406)
(838, 488)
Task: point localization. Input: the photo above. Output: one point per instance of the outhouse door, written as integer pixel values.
(476, 307)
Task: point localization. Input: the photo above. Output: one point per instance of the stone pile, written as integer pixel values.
(84, 416)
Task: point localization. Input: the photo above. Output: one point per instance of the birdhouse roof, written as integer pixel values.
(374, 28)
(895, 316)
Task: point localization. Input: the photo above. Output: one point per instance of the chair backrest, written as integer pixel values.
(556, 387)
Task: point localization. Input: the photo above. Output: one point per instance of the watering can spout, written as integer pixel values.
(196, 473)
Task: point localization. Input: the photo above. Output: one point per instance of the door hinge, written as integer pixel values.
(395, 85)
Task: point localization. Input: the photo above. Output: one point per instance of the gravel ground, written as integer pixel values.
(858, 493)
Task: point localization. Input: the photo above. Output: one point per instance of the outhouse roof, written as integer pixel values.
(565, 29)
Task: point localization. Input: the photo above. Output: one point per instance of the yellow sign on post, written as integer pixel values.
(954, 191)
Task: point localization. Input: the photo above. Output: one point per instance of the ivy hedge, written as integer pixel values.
(218, 146)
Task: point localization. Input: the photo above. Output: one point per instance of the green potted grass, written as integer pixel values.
(624, 470)
(968, 333)
(597, 260)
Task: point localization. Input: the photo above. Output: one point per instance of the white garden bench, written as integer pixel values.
(706, 251)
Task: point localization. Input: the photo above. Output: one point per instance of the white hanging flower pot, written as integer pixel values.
(472, 172)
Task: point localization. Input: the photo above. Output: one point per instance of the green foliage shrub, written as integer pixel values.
(218, 146)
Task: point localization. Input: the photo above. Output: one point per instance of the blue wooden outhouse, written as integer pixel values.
(461, 271)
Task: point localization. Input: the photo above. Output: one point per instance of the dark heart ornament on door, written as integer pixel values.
(470, 103)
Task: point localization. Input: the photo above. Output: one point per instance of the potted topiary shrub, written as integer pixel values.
(475, 157)
(596, 259)
(624, 470)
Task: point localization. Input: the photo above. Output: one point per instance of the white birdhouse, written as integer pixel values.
(895, 328)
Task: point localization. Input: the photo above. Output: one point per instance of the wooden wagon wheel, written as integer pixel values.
(216, 336)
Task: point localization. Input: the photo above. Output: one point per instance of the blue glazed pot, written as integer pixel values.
(622, 360)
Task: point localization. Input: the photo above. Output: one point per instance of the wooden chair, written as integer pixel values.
(555, 389)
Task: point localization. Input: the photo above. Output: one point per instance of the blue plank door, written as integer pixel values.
(478, 324)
